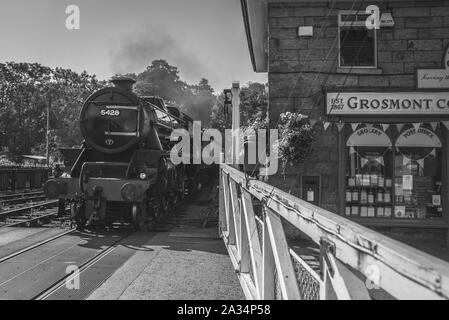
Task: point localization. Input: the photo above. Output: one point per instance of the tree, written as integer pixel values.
(22, 104)
(26, 89)
(67, 94)
(198, 104)
(253, 108)
(161, 79)
(253, 104)
(218, 119)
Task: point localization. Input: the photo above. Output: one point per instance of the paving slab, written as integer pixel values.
(188, 262)
(194, 268)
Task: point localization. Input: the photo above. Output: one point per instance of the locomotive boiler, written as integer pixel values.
(123, 170)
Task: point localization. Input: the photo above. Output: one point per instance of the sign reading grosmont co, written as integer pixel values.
(387, 103)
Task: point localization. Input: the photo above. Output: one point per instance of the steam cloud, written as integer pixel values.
(135, 52)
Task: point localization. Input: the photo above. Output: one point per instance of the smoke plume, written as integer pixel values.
(133, 53)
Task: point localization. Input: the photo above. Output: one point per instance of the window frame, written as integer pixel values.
(354, 23)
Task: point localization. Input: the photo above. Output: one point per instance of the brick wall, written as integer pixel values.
(417, 40)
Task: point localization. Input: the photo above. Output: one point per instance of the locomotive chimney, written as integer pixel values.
(124, 83)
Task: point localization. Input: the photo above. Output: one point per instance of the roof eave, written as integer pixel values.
(255, 21)
(248, 32)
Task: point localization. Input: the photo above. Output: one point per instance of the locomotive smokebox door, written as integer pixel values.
(311, 189)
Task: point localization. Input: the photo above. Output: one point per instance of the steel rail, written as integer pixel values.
(20, 200)
(24, 209)
(85, 266)
(36, 245)
(47, 215)
(5, 197)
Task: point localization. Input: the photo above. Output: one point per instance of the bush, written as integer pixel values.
(296, 138)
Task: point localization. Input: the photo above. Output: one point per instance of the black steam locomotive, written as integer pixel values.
(123, 171)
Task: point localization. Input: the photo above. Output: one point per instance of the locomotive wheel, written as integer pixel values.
(139, 212)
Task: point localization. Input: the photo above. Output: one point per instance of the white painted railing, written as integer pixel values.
(355, 262)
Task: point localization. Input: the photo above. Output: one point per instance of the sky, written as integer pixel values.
(203, 38)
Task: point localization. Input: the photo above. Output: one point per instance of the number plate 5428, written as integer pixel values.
(113, 113)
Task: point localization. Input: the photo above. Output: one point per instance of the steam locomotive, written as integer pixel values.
(123, 170)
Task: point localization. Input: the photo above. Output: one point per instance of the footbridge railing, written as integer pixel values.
(354, 262)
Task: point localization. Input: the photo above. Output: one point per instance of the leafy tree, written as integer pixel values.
(67, 95)
(26, 90)
(22, 106)
(161, 79)
(253, 108)
(253, 105)
(199, 102)
(218, 119)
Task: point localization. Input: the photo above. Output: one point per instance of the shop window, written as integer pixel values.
(357, 43)
(418, 174)
(394, 180)
(369, 174)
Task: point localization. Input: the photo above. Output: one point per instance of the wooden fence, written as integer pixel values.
(13, 178)
(354, 262)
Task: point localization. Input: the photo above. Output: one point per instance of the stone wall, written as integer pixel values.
(417, 40)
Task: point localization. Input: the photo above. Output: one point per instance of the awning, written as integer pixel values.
(369, 137)
(421, 137)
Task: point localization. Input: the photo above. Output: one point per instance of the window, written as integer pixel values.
(418, 174)
(163, 118)
(357, 44)
(369, 174)
(394, 174)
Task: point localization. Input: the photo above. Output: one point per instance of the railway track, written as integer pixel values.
(29, 215)
(23, 199)
(14, 195)
(40, 271)
(62, 285)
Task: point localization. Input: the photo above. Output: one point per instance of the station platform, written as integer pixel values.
(187, 262)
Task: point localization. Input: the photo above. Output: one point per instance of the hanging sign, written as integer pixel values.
(369, 137)
(387, 103)
(420, 137)
(434, 78)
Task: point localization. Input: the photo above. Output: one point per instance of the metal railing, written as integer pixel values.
(354, 262)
